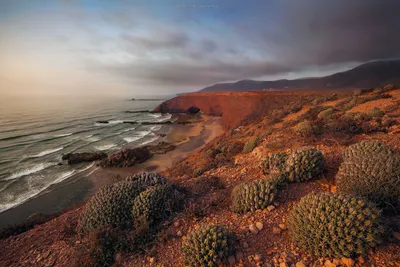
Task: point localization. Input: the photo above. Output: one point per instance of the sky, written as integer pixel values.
(150, 47)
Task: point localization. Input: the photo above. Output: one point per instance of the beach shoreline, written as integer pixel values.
(73, 193)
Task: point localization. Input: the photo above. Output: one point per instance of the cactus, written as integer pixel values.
(155, 203)
(208, 246)
(250, 196)
(304, 164)
(273, 162)
(326, 114)
(109, 206)
(335, 225)
(372, 170)
(147, 179)
(376, 112)
(112, 204)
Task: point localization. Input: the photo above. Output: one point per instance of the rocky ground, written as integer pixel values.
(208, 180)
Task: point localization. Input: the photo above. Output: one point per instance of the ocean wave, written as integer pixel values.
(62, 177)
(46, 152)
(155, 115)
(155, 128)
(92, 138)
(63, 135)
(115, 121)
(31, 170)
(149, 141)
(131, 139)
(105, 147)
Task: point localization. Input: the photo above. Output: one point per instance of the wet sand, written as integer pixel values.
(71, 193)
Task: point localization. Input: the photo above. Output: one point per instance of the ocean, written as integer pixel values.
(36, 132)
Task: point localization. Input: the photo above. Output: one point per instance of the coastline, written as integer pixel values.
(72, 193)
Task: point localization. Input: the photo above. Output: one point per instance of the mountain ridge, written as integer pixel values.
(371, 74)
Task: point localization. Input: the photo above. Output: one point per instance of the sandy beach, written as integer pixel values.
(188, 138)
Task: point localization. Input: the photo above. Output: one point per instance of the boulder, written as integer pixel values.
(193, 110)
(75, 158)
(127, 157)
(160, 148)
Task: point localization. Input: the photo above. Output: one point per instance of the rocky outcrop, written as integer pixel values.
(235, 108)
(161, 148)
(75, 158)
(127, 157)
(104, 122)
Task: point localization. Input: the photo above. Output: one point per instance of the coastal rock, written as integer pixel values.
(160, 148)
(127, 157)
(104, 122)
(75, 158)
(193, 110)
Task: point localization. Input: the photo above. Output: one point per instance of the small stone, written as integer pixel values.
(361, 260)
(179, 234)
(348, 262)
(239, 255)
(270, 207)
(257, 257)
(282, 226)
(177, 223)
(276, 230)
(152, 260)
(283, 264)
(232, 260)
(253, 229)
(245, 245)
(259, 226)
(328, 263)
(300, 264)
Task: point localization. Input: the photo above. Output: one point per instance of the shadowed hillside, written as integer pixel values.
(373, 74)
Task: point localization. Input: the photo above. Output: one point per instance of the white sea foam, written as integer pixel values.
(92, 138)
(46, 152)
(149, 141)
(31, 170)
(105, 147)
(62, 177)
(63, 135)
(155, 115)
(115, 121)
(131, 139)
(155, 128)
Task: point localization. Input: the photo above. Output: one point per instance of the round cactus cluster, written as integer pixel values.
(112, 205)
(273, 162)
(147, 179)
(372, 170)
(376, 112)
(153, 203)
(304, 164)
(335, 225)
(251, 196)
(208, 246)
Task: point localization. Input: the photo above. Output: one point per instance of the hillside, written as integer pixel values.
(369, 75)
(257, 124)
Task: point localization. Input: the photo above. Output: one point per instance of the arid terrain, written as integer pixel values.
(255, 124)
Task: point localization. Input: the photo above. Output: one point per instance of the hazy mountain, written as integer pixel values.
(371, 74)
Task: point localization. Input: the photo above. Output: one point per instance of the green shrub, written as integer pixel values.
(376, 112)
(208, 246)
(378, 90)
(372, 170)
(335, 225)
(318, 100)
(309, 128)
(332, 97)
(304, 164)
(198, 172)
(111, 205)
(155, 203)
(389, 87)
(273, 162)
(235, 148)
(250, 196)
(250, 145)
(326, 114)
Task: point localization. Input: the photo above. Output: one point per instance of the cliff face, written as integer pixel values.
(234, 107)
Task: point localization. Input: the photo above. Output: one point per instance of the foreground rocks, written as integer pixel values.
(160, 148)
(75, 158)
(127, 157)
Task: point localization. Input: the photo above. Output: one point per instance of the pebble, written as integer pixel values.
(348, 262)
(152, 260)
(283, 264)
(232, 260)
(259, 226)
(300, 264)
(276, 230)
(282, 226)
(328, 263)
(257, 257)
(270, 207)
(245, 245)
(177, 223)
(179, 234)
(253, 229)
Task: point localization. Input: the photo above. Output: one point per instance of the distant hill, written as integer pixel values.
(367, 75)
